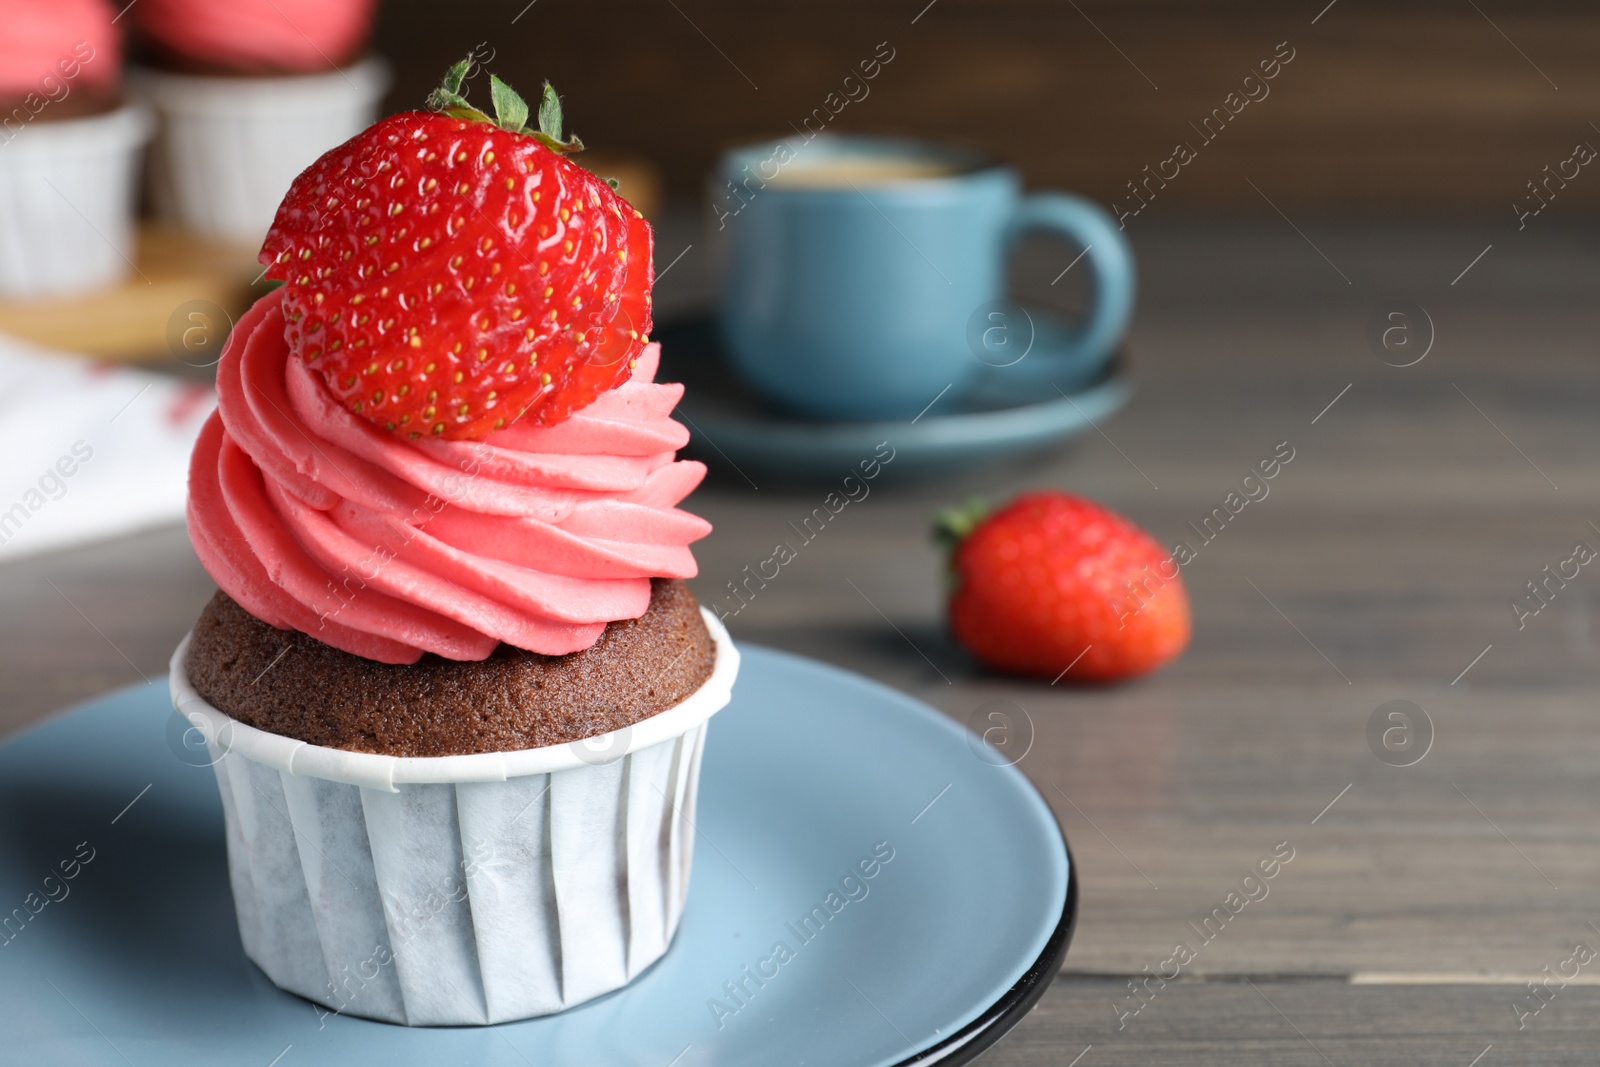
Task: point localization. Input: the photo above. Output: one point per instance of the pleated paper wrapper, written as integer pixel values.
(460, 890)
(67, 197)
(228, 148)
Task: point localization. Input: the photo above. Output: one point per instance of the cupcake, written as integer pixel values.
(69, 149)
(453, 685)
(249, 92)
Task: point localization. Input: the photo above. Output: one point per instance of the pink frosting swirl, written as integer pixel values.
(64, 41)
(250, 35)
(314, 519)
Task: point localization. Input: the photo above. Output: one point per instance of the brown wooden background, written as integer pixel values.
(1405, 107)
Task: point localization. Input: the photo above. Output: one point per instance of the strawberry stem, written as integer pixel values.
(952, 525)
(510, 109)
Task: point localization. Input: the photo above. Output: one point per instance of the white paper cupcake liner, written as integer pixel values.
(66, 202)
(228, 148)
(460, 890)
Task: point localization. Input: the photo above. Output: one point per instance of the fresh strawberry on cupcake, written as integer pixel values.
(453, 645)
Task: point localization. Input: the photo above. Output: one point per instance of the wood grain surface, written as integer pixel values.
(1401, 106)
(1382, 566)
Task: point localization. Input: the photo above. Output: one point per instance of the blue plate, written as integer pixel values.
(1005, 418)
(135, 958)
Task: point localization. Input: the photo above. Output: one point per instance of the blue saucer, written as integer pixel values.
(136, 959)
(1005, 418)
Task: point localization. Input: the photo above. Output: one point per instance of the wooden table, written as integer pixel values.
(1381, 567)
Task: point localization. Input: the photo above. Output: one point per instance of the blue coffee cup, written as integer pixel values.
(865, 276)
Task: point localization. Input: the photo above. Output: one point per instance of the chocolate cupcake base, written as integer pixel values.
(287, 683)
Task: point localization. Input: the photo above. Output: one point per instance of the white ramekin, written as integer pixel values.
(228, 148)
(67, 200)
(460, 890)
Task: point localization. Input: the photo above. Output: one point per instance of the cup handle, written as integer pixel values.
(1084, 348)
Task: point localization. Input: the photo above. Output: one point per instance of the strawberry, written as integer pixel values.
(447, 273)
(1053, 585)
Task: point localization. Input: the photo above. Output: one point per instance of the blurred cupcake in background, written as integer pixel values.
(69, 149)
(250, 93)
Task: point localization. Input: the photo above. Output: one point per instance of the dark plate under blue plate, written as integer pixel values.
(1003, 419)
(136, 959)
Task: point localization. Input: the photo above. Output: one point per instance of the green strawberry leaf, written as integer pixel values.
(456, 75)
(456, 107)
(571, 144)
(510, 110)
(952, 525)
(550, 113)
(444, 99)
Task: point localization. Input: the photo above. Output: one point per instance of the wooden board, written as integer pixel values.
(131, 321)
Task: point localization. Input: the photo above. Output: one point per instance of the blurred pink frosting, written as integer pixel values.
(314, 519)
(255, 35)
(66, 41)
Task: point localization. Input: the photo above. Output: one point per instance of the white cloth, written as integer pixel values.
(89, 450)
